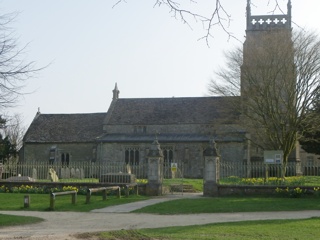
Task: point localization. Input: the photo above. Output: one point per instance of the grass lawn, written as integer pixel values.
(41, 202)
(231, 204)
(249, 230)
(10, 220)
(196, 183)
(271, 229)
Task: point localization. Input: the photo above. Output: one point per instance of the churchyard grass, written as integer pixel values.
(10, 220)
(232, 204)
(40, 202)
(289, 181)
(307, 229)
(196, 183)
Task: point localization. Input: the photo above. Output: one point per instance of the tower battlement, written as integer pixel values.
(268, 22)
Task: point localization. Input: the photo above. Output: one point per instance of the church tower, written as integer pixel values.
(267, 77)
(265, 34)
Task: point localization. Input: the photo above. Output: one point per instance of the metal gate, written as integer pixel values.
(173, 178)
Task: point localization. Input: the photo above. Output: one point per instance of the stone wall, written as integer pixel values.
(189, 154)
(40, 152)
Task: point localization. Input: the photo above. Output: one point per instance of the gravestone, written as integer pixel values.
(34, 173)
(65, 172)
(53, 175)
(72, 173)
(77, 173)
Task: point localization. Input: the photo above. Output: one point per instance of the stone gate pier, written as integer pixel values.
(211, 170)
(155, 170)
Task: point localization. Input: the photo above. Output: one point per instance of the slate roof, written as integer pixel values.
(86, 127)
(154, 111)
(83, 127)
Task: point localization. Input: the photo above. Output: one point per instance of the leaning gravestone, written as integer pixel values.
(53, 175)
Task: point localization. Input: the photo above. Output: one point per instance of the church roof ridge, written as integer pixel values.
(78, 113)
(169, 98)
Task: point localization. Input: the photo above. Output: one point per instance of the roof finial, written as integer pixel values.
(115, 92)
(38, 113)
(248, 12)
(289, 7)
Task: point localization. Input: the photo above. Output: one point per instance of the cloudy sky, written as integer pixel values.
(91, 45)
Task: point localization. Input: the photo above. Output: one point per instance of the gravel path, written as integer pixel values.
(63, 225)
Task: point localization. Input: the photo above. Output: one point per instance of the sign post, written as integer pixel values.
(274, 157)
(174, 167)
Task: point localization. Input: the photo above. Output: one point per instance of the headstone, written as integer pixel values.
(67, 173)
(34, 173)
(78, 173)
(53, 175)
(63, 173)
(72, 173)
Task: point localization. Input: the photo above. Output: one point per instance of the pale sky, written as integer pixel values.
(90, 46)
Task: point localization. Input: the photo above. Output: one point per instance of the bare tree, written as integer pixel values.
(14, 70)
(278, 81)
(15, 130)
(219, 16)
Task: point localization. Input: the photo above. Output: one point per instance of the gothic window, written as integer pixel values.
(132, 156)
(136, 157)
(65, 158)
(52, 155)
(168, 156)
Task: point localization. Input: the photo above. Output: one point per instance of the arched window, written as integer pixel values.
(52, 155)
(67, 159)
(136, 157)
(167, 156)
(132, 156)
(126, 157)
(62, 159)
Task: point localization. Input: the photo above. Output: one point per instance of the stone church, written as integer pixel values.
(183, 126)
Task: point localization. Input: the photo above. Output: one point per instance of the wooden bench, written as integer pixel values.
(104, 192)
(128, 186)
(53, 197)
